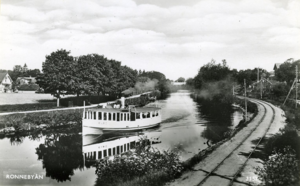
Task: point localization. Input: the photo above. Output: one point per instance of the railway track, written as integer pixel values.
(225, 171)
(235, 150)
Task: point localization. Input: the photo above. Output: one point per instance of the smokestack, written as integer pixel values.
(122, 102)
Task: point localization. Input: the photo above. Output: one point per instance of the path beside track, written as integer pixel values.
(225, 165)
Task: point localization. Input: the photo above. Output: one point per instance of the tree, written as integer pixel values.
(190, 82)
(181, 79)
(154, 75)
(286, 71)
(250, 75)
(279, 90)
(213, 71)
(58, 73)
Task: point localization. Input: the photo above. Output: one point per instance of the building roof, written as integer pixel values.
(26, 78)
(2, 76)
(144, 109)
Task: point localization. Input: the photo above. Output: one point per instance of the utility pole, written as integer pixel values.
(245, 100)
(296, 83)
(257, 75)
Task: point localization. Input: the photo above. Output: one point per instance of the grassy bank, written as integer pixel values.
(21, 122)
(51, 104)
(26, 121)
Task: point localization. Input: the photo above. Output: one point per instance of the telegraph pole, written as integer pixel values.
(296, 83)
(257, 75)
(245, 100)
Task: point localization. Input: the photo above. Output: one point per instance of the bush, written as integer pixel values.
(29, 87)
(145, 161)
(280, 169)
(286, 137)
(279, 90)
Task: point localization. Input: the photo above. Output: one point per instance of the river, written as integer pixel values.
(57, 157)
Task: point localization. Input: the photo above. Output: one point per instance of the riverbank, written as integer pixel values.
(12, 122)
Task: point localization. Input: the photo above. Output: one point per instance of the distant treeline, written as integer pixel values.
(216, 81)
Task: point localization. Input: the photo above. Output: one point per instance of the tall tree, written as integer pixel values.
(58, 73)
(286, 71)
(181, 79)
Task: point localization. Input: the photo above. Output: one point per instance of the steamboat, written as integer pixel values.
(121, 119)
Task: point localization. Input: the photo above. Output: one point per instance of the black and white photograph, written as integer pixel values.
(149, 92)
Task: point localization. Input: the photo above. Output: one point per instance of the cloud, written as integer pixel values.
(174, 37)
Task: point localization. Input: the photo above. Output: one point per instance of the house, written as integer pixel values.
(264, 85)
(5, 82)
(25, 80)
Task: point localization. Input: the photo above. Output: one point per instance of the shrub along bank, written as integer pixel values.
(145, 166)
(281, 152)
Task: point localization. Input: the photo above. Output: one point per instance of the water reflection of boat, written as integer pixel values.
(109, 148)
(130, 118)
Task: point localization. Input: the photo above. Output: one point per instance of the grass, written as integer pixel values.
(27, 107)
(51, 119)
(51, 104)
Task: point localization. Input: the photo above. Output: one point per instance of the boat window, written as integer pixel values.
(109, 116)
(94, 155)
(114, 116)
(138, 116)
(84, 115)
(118, 149)
(104, 116)
(105, 153)
(121, 148)
(100, 115)
(127, 146)
(148, 115)
(121, 119)
(114, 151)
(157, 113)
(124, 147)
(94, 115)
(153, 114)
(99, 154)
(132, 144)
(118, 116)
(109, 152)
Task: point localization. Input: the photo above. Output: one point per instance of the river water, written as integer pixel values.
(56, 158)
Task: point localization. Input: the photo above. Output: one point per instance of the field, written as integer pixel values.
(23, 97)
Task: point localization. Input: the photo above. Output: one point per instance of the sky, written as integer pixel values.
(175, 37)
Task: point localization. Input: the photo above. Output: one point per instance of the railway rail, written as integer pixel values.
(234, 151)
